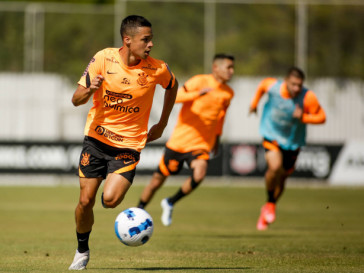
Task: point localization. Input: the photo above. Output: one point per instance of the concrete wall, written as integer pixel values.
(38, 107)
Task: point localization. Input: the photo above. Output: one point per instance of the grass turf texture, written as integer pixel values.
(213, 230)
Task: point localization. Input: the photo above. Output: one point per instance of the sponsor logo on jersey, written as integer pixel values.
(112, 59)
(102, 131)
(120, 95)
(114, 100)
(85, 159)
(125, 81)
(142, 80)
(149, 66)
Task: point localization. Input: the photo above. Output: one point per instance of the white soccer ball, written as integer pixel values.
(134, 227)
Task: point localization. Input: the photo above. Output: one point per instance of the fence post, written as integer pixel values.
(301, 35)
(119, 14)
(210, 28)
(34, 38)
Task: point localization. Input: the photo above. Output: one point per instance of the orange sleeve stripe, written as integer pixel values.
(127, 168)
(270, 146)
(80, 173)
(163, 168)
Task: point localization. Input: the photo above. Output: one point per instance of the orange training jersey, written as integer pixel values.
(121, 106)
(201, 117)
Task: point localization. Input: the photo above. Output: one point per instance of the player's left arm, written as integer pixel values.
(312, 111)
(219, 128)
(169, 82)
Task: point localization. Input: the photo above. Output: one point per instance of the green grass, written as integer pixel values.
(317, 230)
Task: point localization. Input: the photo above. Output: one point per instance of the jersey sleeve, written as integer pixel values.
(167, 79)
(189, 91)
(94, 68)
(312, 111)
(263, 88)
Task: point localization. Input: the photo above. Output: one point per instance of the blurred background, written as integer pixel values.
(46, 45)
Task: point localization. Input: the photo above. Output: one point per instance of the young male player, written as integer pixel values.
(290, 106)
(205, 100)
(122, 82)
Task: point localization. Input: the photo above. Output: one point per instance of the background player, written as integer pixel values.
(205, 100)
(289, 108)
(122, 82)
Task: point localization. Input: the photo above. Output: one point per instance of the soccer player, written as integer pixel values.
(122, 82)
(205, 100)
(290, 106)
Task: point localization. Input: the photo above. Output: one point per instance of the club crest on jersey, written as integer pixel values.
(142, 80)
(85, 159)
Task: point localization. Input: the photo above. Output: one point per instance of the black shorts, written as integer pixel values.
(98, 159)
(172, 162)
(289, 156)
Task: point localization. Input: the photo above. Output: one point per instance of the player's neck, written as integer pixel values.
(219, 79)
(127, 58)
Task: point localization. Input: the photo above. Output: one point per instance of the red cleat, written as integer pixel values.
(269, 212)
(267, 216)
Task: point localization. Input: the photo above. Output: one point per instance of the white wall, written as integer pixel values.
(38, 107)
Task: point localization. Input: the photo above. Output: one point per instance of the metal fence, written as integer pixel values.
(62, 37)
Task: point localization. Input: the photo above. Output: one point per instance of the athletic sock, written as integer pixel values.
(173, 199)
(82, 239)
(142, 204)
(271, 198)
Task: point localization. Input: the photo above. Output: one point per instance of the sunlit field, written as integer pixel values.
(318, 229)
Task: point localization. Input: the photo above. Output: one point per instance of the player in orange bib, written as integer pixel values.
(205, 100)
(122, 82)
(290, 106)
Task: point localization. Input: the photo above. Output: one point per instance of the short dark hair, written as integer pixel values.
(296, 72)
(220, 56)
(131, 22)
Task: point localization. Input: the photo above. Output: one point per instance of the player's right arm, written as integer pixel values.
(263, 88)
(83, 94)
(184, 95)
(90, 81)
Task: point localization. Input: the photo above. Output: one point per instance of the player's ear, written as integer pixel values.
(127, 40)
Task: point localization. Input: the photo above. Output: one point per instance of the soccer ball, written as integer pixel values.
(134, 227)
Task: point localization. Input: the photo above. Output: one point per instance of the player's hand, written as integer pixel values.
(252, 110)
(155, 132)
(96, 83)
(298, 112)
(205, 91)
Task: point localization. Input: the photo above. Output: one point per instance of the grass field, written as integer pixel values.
(318, 229)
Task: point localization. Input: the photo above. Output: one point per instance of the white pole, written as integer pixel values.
(34, 38)
(209, 42)
(301, 36)
(119, 15)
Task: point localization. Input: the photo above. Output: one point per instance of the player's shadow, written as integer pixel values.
(175, 268)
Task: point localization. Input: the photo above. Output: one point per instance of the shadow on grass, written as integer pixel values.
(173, 268)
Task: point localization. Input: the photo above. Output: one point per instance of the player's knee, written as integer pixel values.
(276, 169)
(86, 202)
(110, 201)
(157, 181)
(199, 175)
